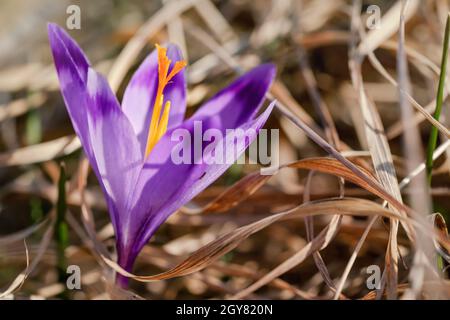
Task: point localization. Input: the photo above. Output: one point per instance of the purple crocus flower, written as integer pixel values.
(129, 146)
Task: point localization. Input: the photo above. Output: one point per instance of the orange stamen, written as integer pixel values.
(158, 123)
(162, 126)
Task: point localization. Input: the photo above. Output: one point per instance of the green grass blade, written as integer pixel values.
(439, 101)
(61, 231)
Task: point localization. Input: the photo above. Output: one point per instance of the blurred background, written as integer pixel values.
(309, 43)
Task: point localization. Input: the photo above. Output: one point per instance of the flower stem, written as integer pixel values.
(126, 262)
(122, 281)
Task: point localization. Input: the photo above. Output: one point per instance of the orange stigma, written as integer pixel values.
(158, 122)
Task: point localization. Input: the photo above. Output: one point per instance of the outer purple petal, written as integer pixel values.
(140, 94)
(105, 132)
(240, 101)
(72, 68)
(115, 147)
(164, 186)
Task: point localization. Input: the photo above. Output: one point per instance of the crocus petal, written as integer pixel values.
(140, 94)
(105, 132)
(164, 186)
(240, 101)
(72, 68)
(116, 150)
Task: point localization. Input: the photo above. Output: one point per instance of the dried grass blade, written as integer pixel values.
(439, 222)
(215, 20)
(20, 279)
(45, 242)
(130, 52)
(390, 24)
(314, 245)
(204, 256)
(22, 234)
(234, 195)
(385, 170)
(413, 154)
(40, 152)
(423, 111)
